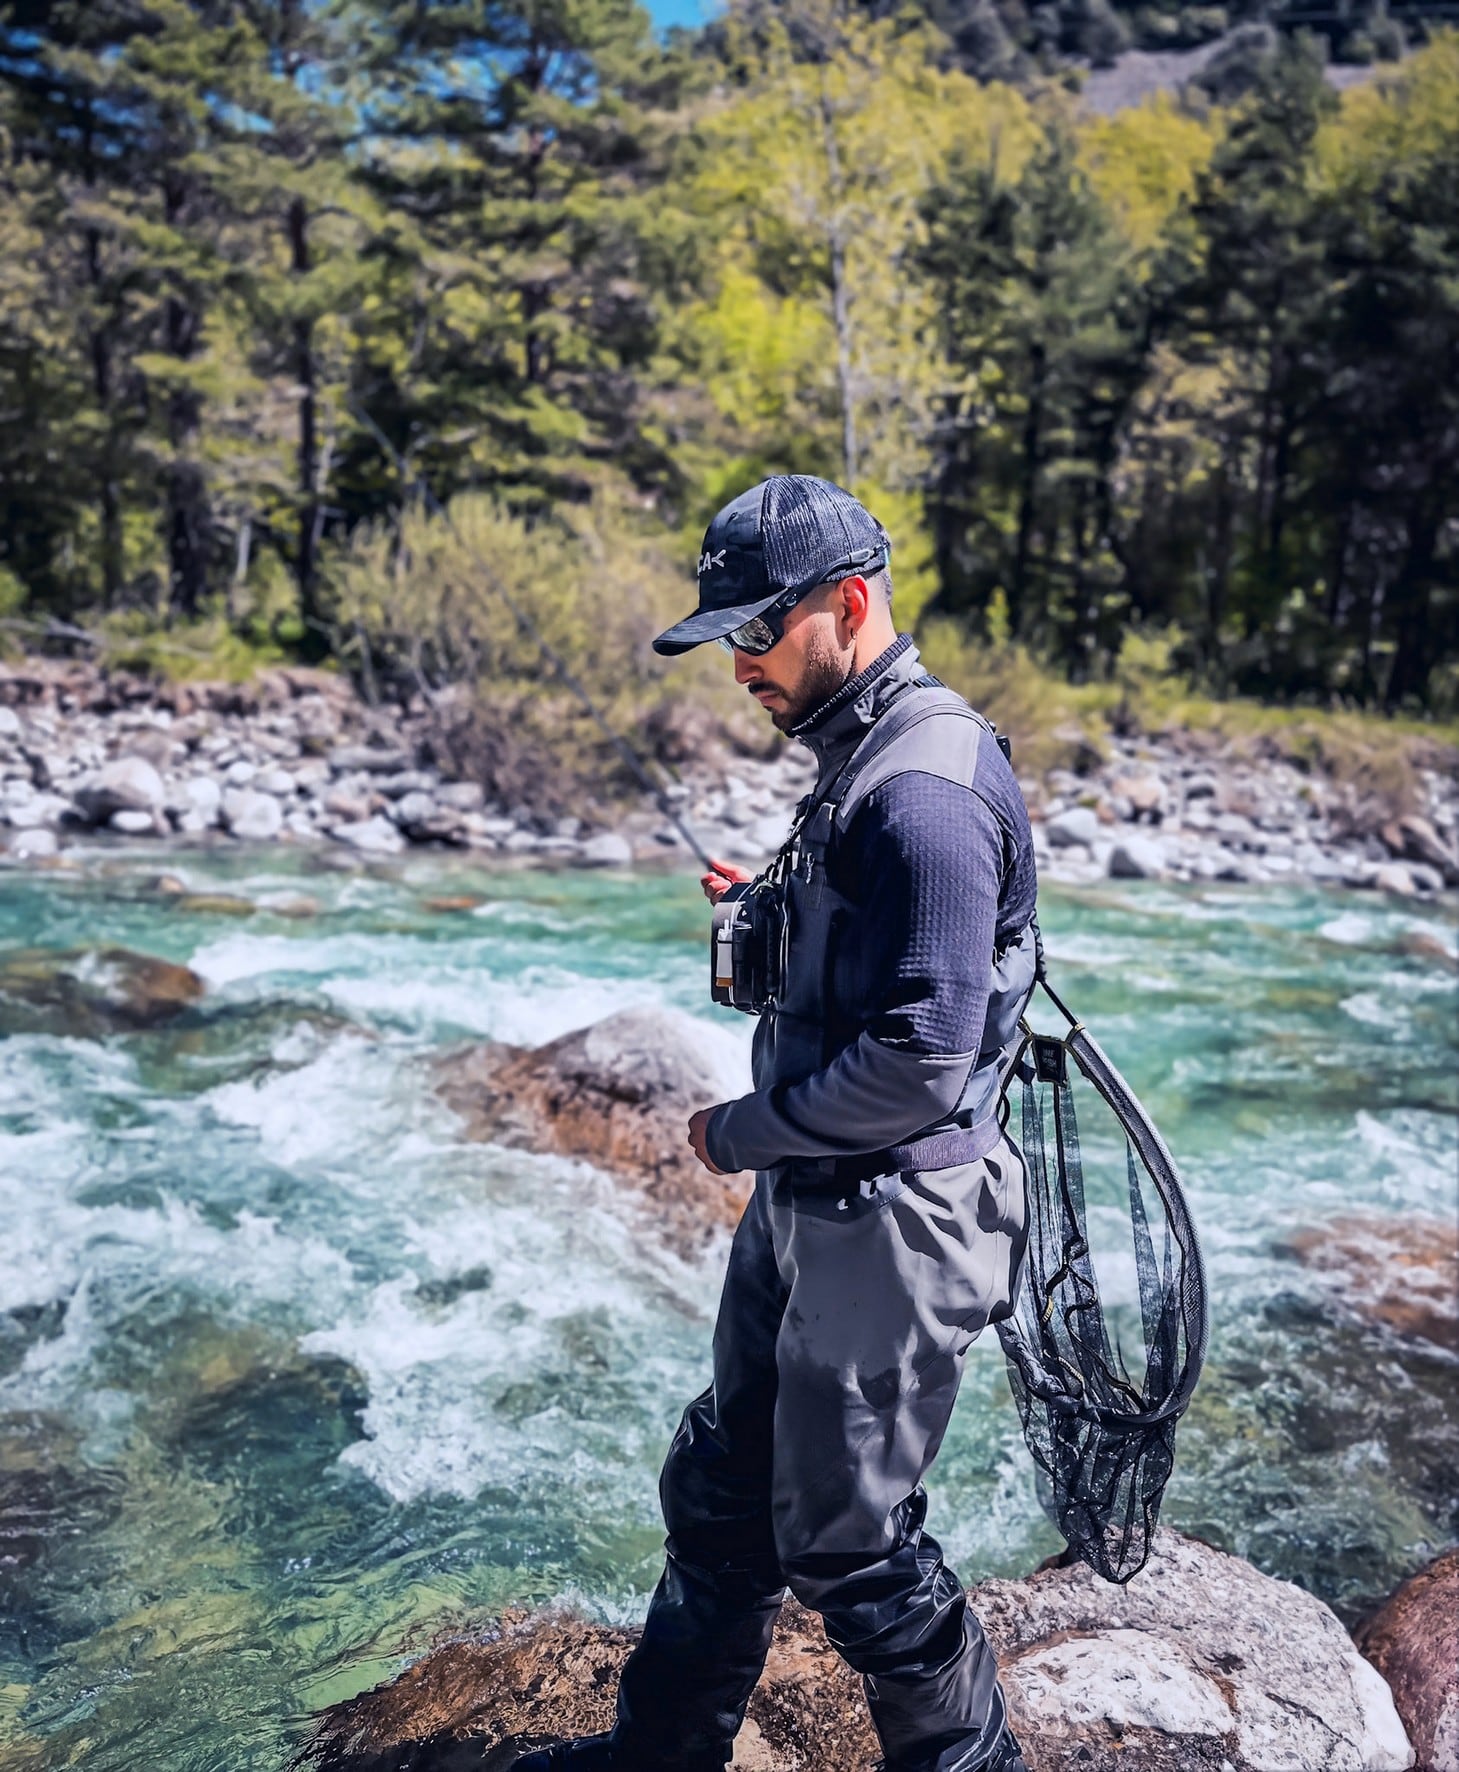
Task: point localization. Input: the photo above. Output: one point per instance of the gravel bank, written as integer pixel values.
(296, 757)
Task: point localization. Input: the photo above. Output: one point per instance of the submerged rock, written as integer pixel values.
(1413, 1641)
(1200, 1661)
(618, 1095)
(1401, 1272)
(91, 991)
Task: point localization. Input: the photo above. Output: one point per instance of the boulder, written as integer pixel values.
(617, 1094)
(251, 816)
(39, 812)
(1394, 877)
(1413, 838)
(1137, 858)
(1145, 793)
(91, 991)
(1076, 828)
(462, 796)
(607, 850)
(1199, 1662)
(371, 836)
(1401, 1272)
(1413, 1641)
(534, 1679)
(126, 784)
(35, 845)
(10, 728)
(136, 824)
(194, 803)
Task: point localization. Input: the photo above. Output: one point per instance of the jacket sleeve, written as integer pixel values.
(928, 857)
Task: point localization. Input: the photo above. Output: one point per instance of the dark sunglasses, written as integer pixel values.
(767, 629)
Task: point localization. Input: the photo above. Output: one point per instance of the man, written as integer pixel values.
(887, 1223)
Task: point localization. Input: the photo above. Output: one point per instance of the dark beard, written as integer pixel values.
(825, 672)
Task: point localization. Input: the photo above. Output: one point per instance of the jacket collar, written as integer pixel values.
(838, 725)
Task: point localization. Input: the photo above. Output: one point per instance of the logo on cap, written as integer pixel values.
(707, 562)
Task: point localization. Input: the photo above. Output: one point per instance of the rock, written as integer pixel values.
(617, 1094)
(195, 799)
(1414, 838)
(371, 836)
(214, 904)
(126, 784)
(134, 824)
(1394, 877)
(91, 991)
(607, 850)
(766, 834)
(409, 781)
(38, 812)
(462, 796)
(1424, 877)
(250, 816)
(275, 781)
(34, 845)
(1076, 828)
(348, 806)
(1401, 1272)
(1146, 793)
(10, 727)
(240, 774)
(453, 902)
(367, 760)
(1423, 944)
(1199, 1658)
(532, 1679)
(1137, 858)
(1413, 1641)
(1200, 1662)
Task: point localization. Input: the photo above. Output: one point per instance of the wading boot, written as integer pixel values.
(1007, 1757)
(595, 1753)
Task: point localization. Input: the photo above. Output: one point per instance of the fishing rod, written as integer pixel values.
(416, 483)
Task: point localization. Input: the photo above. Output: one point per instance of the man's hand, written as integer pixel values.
(698, 1126)
(725, 875)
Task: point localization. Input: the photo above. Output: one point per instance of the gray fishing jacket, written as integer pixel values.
(909, 956)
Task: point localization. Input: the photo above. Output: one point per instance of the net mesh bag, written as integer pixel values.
(1102, 1436)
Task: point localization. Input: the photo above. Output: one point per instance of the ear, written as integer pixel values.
(854, 600)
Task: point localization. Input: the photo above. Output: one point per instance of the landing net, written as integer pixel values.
(1102, 1436)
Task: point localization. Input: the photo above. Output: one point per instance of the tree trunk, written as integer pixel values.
(1028, 496)
(188, 522)
(315, 643)
(840, 294)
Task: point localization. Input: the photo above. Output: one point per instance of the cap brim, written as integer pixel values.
(710, 624)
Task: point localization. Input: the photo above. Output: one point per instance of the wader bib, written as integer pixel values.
(856, 1284)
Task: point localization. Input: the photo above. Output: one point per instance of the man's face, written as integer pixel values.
(805, 667)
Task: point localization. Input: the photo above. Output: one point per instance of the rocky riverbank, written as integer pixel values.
(296, 757)
(1200, 1662)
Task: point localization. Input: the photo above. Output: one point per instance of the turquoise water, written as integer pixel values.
(292, 1379)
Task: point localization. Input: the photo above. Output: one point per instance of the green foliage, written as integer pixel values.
(1163, 404)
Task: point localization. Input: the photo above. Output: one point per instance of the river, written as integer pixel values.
(293, 1379)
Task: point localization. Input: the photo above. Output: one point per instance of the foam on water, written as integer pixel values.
(338, 1374)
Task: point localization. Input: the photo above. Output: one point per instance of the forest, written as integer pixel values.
(1184, 377)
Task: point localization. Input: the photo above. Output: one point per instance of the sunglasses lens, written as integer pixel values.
(755, 637)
